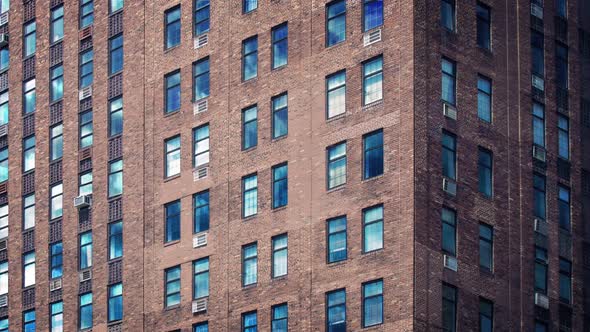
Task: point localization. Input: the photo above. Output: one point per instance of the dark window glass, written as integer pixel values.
(56, 260)
(30, 39)
(447, 14)
(29, 211)
(449, 155)
(336, 22)
(56, 32)
(201, 80)
(172, 286)
(3, 164)
(486, 247)
(279, 186)
(56, 146)
(540, 202)
(336, 311)
(201, 211)
(249, 264)
(115, 240)
(373, 154)
(172, 82)
(449, 308)
(4, 111)
(484, 26)
(564, 208)
(172, 221)
(279, 115)
(280, 315)
(250, 319)
(486, 315)
(336, 165)
(172, 29)
(86, 130)
(484, 164)
(449, 77)
(539, 124)
(86, 68)
(279, 255)
(4, 58)
(29, 322)
(541, 270)
(249, 195)
(250, 58)
(115, 5)
(561, 65)
(85, 311)
(115, 304)
(115, 178)
(29, 153)
(115, 54)
(116, 116)
(449, 231)
(249, 5)
(565, 281)
(484, 98)
(200, 327)
(372, 228)
(30, 96)
(537, 53)
(85, 250)
(86, 13)
(201, 278)
(373, 80)
(563, 137)
(337, 244)
(57, 83)
(561, 8)
(56, 320)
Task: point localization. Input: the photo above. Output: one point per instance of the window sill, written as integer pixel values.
(337, 188)
(172, 177)
(168, 114)
(372, 252)
(171, 243)
(373, 178)
(280, 138)
(485, 272)
(250, 148)
(172, 48)
(249, 287)
(335, 45)
(373, 327)
(172, 307)
(337, 263)
(485, 51)
(279, 209)
(248, 218)
(372, 105)
(115, 260)
(279, 279)
(336, 117)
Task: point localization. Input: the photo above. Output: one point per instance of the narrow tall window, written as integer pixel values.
(486, 315)
(3, 164)
(29, 269)
(449, 308)
(202, 16)
(449, 77)
(561, 65)
(373, 228)
(449, 155)
(85, 186)
(250, 58)
(336, 311)
(3, 221)
(4, 325)
(372, 14)
(115, 5)
(373, 154)
(335, 22)
(115, 178)
(56, 311)
(280, 115)
(3, 278)
(561, 8)
(336, 165)
(172, 295)
(199, 327)
(172, 162)
(280, 45)
(30, 96)
(449, 231)
(86, 129)
(280, 186)
(484, 98)
(56, 201)
(373, 80)
(337, 244)
(201, 145)
(56, 145)
(540, 327)
(249, 264)
(172, 28)
(172, 91)
(201, 80)
(563, 137)
(4, 109)
(115, 304)
(539, 124)
(4, 6)
(30, 39)
(540, 270)
(249, 195)
(279, 255)
(249, 127)
(280, 316)
(565, 281)
(29, 211)
(172, 221)
(29, 321)
(4, 58)
(447, 14)
(115, 240)
(250, 319)
(115, 53)
(201, 278)
(85, 311)
(86, 13)
(336, 94)
(484, 29)
(537, 53)
(85, 250)
(373, 303)
(201, 212)
(56, 260)
(115, 116)
(540, 201)
(57, 83)
(56, 32)
(249, 5)
(564, 208)
(486, 247)
(485, 173)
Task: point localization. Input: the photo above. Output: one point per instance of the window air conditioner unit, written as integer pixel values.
(371, 37)
(4, 18)
(200, 305)
(538, 82)
(85, 92)
(200, 106)
(449, 111)
(450, 186)
(540, 226)
(3, 300)
(201, 40)
(537, 11)
(54, 284)
(541, 300)
(539, 153)
(200, 240)
(4, 130)
(200, 173)
(85, 275)
(3, 244)
(82, 201)
(450, 262)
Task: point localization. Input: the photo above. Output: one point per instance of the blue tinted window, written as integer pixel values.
(250, 58)
(280, 45)
(373, 14)
(249, 127)
(373, 154)
(201, 211)
(279, 116)
(201, 80)
(172, 221)
(172, 27)
(336, 311)
(172, 92)
(336, 22)
(202, 16)
(279, 186)
(337, 244)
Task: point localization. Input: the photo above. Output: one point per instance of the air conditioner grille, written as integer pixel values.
(201, 40)
(372, 37)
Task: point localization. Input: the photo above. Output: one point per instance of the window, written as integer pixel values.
(172, 286)
(539, 124)
(29, 321)
(115, 116)
(336, 165)
(486, 247)
(29, 269)
(201, 80)
(373, 303)
(86, 13)
(250, 58)
(57, 83)
(56, 145)
(3, 221)
(484, 164)
(449, 77)
(486, 315)
(484, 98)
(337, 244)
(249, 264)
(280, 45)
(537, 53)
(336, 94)
(115, 240)
(372, 14)
(86, 129)
(200, 327)
(172, 221)
(447, 14)
(56, 260)
(85, 183)
(540, 203)
(4, 325)
(249, 320)
(172, 146)
(4, 7)
(249, 127)
(541, 270)
(85, 311)
(201, 145)
(4, 164)
(540, 327)
(372, 228)
(202, 16)
(280, 316)
(373, 154)
(56, 201)
(561, 8)
(565, 281)
(279, 255)
(336, 311)
(484, 26)
(449, 308)
(4, 110)
(115, 53)
(249, 195)
(3, 278)
(86, 68)
(249, 5)
(563, 137)
(57, 24)
(449, 231)
(115, 5)
(564, 208)
(279, 186)
(561, 65)
(201, 212)
(30, 39)
(201, 278)
(373, 80)
(279, 116)
(57, 316)
(172, 91)
(336, 22)
(4, 58)
(172, 28)
(115, 302)
(29, 211)
(449, 155)
(115, 178)
(30, 96)
(85, 250)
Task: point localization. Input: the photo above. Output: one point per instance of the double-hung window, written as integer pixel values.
(172, 279)
(336, 311)
(85, 250)
(201, 211)
(56, 144)
(201, 79)
(250, 58)
(373, 228)
(280, 187)
(484, 28)
(172, 211)
(202, 16)
(279, 115)
(29, 321)
(484, 98)
(29, 96)
(29, 153)
(449, 308)
(115, 240)
(541, 270)
(249, 195)
(3, 164)
(449, 231)
(539, 197)
(561, 65)
(486, 247)
(4, 278)
(249, 127)
(86, 68)
(447, 14)
(249, 5)
(115, 303)
(449, 155)
(56, 32)
(486, 315)
(115, 116)
(56, 260)
(56, 312)
(565, 281)
(564, 208)
(115, 178)
(115, 53)
(30, 39)
(85, 186)
(200, 327)
(86, 129)
(280, 316)
(172, 82)
(201, 278)
(373, 154)
(279, 255)
(280, 45)
(561, 8)
(250, 320)
(485, 172)
(4, 110)
(29, 211)
(57, 83)
(373, 303)
(201, 146)
(85, 311)
(172, 163)
(86, 13)
(336, 94)
(335, 22)
(563, 137)
(372, 14)
(29, 269)
(56, 201)
(539, 124)
(336, 165)
(373, 80)
(449, 77)
(249, 264)
(3, 221)
(537, 53)
(336, 238)
(172, 28)
(4, 58)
